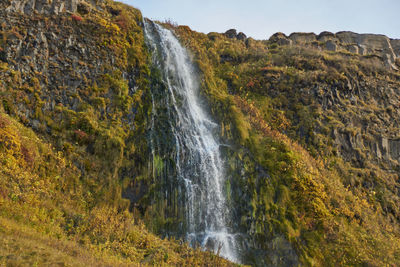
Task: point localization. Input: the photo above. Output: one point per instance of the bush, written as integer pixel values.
(76, 18)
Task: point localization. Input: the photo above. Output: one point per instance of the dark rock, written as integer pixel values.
(232, 33)
(84, 8)
(277, 36)
(213, 35)
(241, 36)
(303, 37)
(114, 12)
(3, 55)
(325, 36)
(284, 42)
(331, 46)
(352, 49)
(54, 7)
(280, 38)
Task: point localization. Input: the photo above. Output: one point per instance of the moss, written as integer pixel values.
(264, 98)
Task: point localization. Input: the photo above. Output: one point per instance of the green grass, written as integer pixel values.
(276, 122)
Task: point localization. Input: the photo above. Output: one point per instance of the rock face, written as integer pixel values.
(396, 47)
(232, 34)
(281, 39)
(331, 46)
(47, 7)
(302, 38)
(363, 44)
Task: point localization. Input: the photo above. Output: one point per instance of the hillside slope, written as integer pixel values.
(309, 126)
(315, 158)
(72, 120)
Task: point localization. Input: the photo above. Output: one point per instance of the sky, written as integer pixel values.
(262, 18)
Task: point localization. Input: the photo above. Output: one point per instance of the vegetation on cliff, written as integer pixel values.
(292, 112)
(73, 116)
(311, 137)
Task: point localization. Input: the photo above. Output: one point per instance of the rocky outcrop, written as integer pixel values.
(48, 7)
(325, 36)
(232, 34)
(281, 39)
(388, 50)
(302, 37)
(331, 46)
(395, 43)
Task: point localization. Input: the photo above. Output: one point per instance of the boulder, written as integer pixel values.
(352, 49)
(347, 37)
(276, 36)
(241, 36)
(302, 37)
(326, 36)
(331, 46)
(280, 38)
(284, 42)
(232, 33)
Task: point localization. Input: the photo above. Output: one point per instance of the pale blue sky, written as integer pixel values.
(261, 18)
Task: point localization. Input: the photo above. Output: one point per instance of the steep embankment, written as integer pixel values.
(314, 134)
(73, 112)
(310, 126)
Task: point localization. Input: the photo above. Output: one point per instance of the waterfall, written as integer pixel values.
(189, 139)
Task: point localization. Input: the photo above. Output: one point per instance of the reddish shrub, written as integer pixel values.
(81, 137)
(250, 84)
(27, 155)
(122, 23)
(76, 17)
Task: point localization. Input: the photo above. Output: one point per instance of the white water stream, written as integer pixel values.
(196, 151)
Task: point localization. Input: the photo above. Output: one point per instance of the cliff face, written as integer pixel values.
(310, 123)
(313, 138)
(30, 7)
(73, 108)
(363, 44)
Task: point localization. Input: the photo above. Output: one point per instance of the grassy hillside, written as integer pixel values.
(73, 114)
(48, 216)
(286, 110)
(312, 146)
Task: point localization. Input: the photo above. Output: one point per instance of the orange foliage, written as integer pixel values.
(76, 17)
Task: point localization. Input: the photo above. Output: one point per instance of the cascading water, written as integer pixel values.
(188, 141)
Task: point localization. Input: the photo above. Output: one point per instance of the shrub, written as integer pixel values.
(76, 18)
